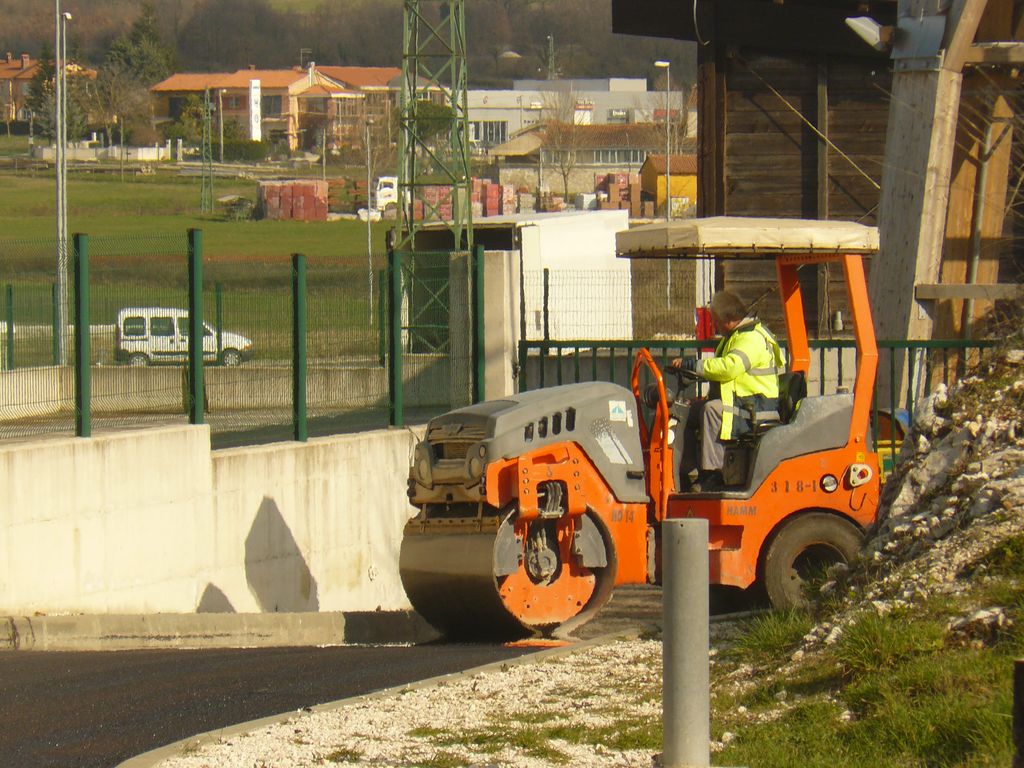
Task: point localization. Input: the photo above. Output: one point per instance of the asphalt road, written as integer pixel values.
(94, 710)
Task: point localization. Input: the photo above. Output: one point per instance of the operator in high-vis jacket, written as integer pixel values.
(744, 377)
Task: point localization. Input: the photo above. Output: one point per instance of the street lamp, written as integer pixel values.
(667, 66)
(61, 139)
(369, 220)
(220, 121)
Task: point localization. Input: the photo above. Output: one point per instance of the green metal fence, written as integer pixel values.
(635, 299)
(275, 350)
(833, 368)
(435, 332)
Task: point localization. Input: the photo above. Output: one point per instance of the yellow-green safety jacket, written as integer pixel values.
(747, 362)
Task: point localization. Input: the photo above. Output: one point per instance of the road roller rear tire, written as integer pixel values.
(802, 551)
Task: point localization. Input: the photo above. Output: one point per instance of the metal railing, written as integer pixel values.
(833, 366)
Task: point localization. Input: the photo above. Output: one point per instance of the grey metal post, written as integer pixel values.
(1018, 713)
(686, 707)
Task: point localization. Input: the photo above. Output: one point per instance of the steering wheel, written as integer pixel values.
(683, 375)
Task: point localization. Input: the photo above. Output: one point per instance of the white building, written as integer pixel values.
(497, 115)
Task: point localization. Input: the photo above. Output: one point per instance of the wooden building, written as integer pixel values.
(798, 117)
(792, 120)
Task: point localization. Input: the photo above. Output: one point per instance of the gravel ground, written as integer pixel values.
(597, 695)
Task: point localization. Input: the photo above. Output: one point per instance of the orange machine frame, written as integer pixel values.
(739, 528)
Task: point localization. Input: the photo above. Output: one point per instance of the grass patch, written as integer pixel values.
(875, 642)
(770, 636)
(11, 146)
(426, 732)
(622, 735)
(343, 755)
(443, 759)
(892, 692)
(161, 203)
(1005, 559)
(531, 740)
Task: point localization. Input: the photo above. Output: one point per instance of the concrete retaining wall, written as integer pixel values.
(152, 521)
(49, 390)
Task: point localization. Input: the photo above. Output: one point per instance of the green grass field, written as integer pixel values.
(138, 249)
(165, 204)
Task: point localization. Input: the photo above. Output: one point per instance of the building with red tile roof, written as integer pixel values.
(296, 105)
(15, 78)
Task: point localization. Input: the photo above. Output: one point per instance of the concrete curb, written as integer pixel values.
(155, 756)
(116, 632)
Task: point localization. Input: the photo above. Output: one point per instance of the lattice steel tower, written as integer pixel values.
(206, 193)
(432, 154)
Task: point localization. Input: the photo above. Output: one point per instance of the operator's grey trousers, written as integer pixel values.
(706, 419)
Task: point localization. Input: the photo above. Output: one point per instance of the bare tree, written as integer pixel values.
(562, 136)
(120, 99)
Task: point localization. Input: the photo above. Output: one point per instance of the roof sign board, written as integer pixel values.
(255, 111)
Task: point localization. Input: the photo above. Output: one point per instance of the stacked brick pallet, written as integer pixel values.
(491, 199)
(346, 195)
(622, 191)
(437, 201)
(299, 200)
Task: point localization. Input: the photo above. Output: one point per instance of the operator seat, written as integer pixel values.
(792, 389)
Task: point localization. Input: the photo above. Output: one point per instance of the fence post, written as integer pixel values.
(686, 696)
(218, 300)
(83, 339)
(395, 409)
(524, 379)
(56, 323)
(382, 318)
(196, 384)
(1018, 713)
(547, 294)
(299, 415)
(477, 293)
(10, 327)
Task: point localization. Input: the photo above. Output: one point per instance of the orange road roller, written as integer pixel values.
(533, 507)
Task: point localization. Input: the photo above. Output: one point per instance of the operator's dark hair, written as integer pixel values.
(727, 307)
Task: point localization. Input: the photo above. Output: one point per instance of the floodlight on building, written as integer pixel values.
(878, 36)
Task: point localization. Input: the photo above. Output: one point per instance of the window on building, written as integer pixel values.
(175, 106)
(270, 105)
(349, 107)
(315, 106)
(489, 132)
(233, 102)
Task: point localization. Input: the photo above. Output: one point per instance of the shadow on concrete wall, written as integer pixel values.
(214, 601)
(275, 569)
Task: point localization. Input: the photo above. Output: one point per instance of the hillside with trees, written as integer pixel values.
(209, 35)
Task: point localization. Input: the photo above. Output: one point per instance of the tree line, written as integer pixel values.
(132, 46)
(224, 35)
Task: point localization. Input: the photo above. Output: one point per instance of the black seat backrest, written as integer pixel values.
(792, 389)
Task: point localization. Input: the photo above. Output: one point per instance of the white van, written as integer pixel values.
(152, 335)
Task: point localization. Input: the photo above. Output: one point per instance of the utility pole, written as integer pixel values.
(206, 191)
(60, 139)
(369, 221)
(434, 59)
(220, 121)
